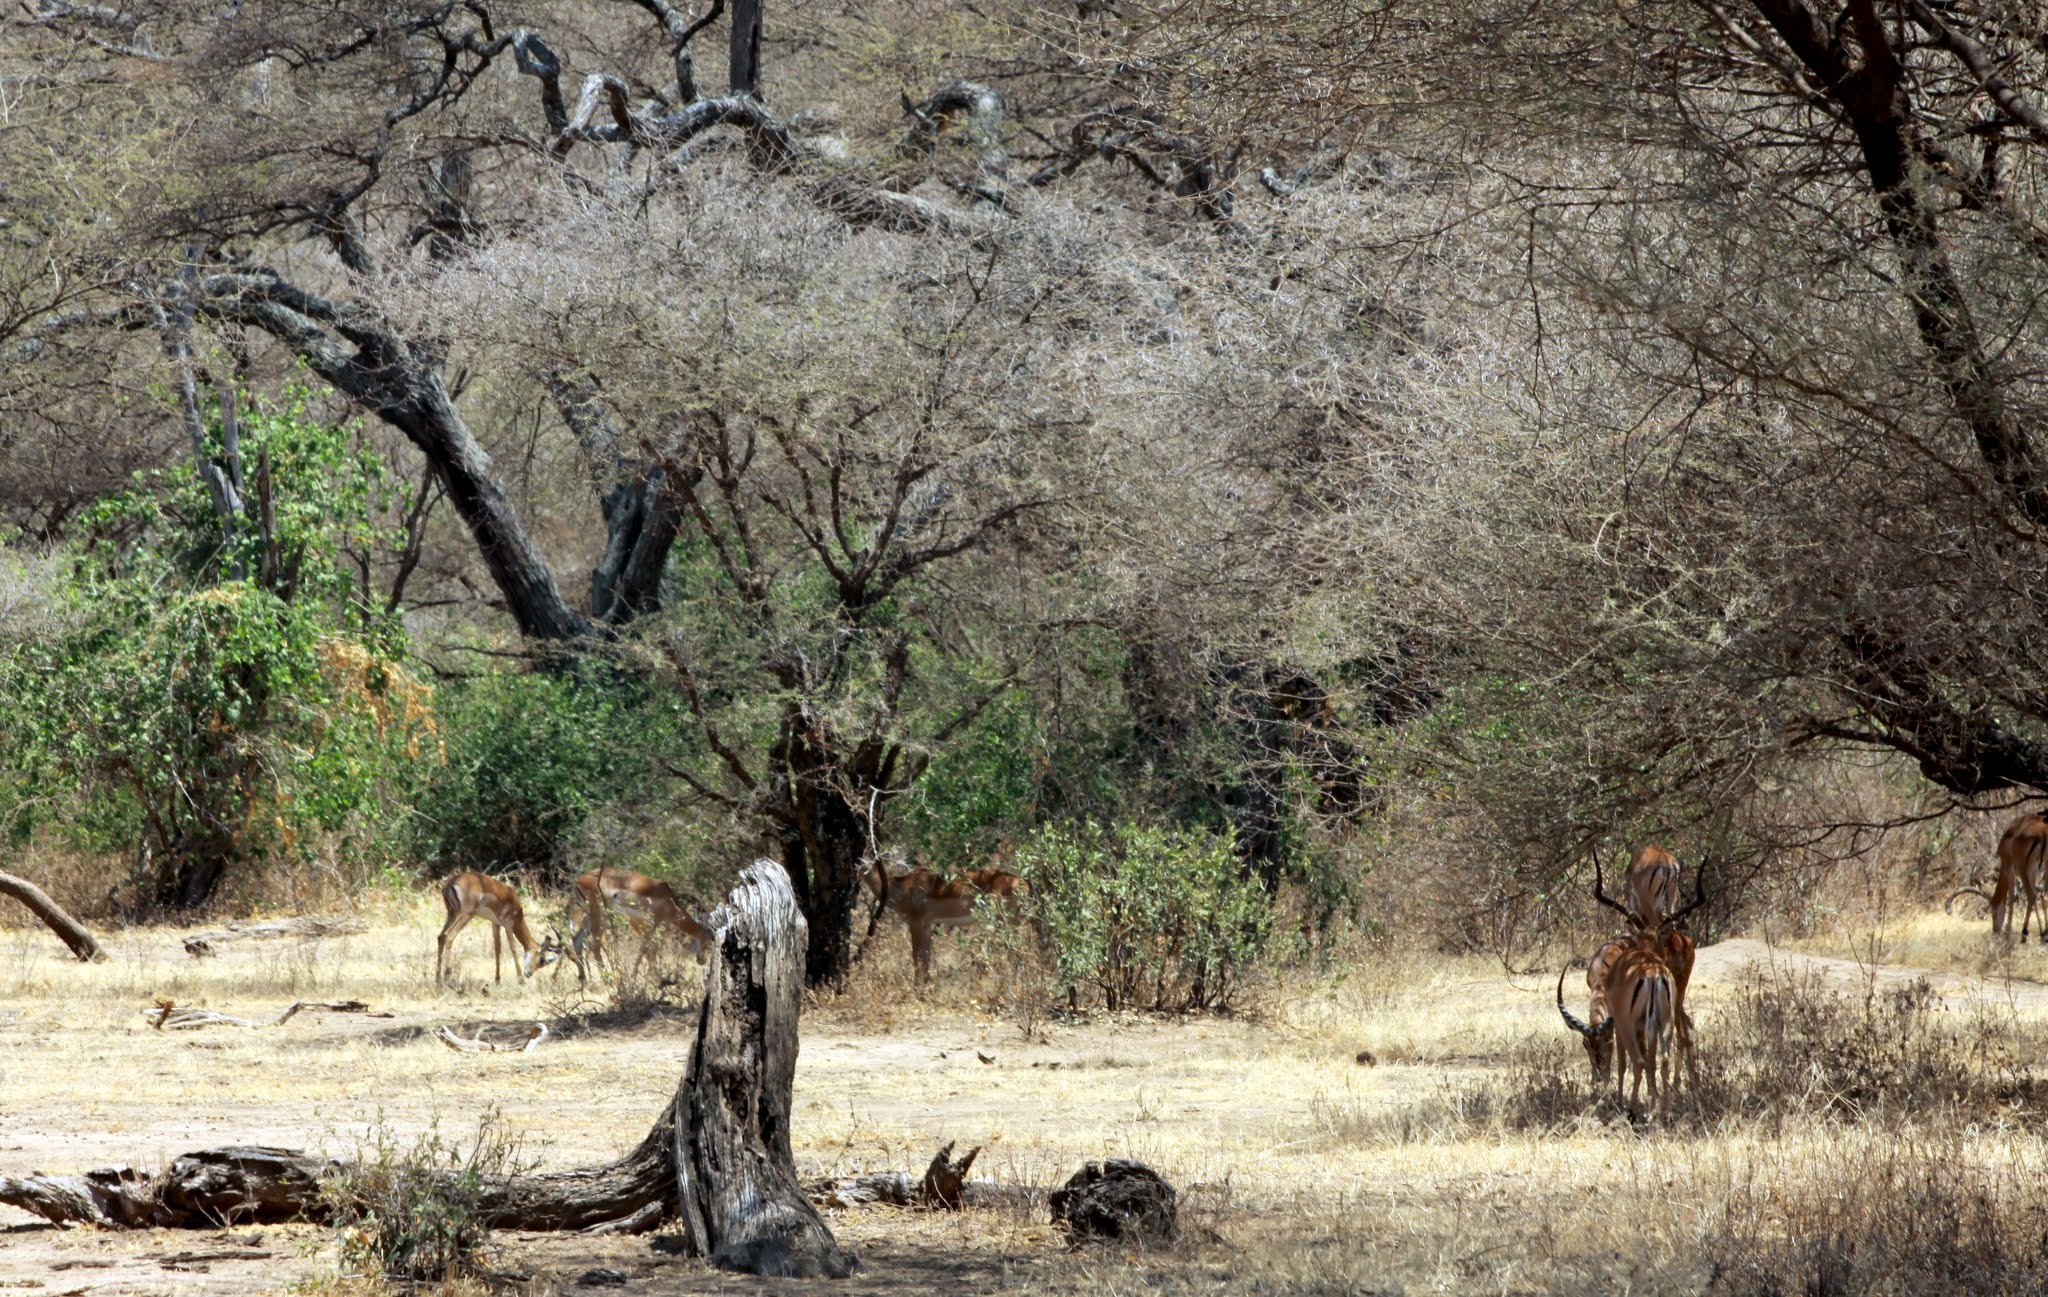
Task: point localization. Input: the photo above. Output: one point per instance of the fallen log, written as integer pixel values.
(308, 926)
(70, 930)
(717, 1156)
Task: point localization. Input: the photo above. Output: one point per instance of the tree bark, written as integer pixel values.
(740, 1201)
(823, 839)
(718, 1156)
(745, 65)
(53, 916)
(358, 352)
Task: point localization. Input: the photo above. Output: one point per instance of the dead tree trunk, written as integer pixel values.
(718, 1156)
(736, 1177)
(53, 916)
(744, 64)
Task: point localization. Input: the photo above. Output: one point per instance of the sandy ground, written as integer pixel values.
(1233, 1111)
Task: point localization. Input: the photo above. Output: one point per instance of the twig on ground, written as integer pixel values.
(478, 1045)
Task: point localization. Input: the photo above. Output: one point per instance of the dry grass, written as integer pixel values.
(1303, 1171)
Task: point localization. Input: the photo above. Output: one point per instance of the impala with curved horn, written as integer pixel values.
(1642, 995)
(1599, 1043)
(2022, 854)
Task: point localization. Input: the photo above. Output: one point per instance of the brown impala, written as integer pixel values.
(470, 895)
(1643, 996)
(645, 903)
(925, 900)
(2022, 851)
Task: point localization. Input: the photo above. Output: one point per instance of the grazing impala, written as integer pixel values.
(469, 895)
(2022, 853)
(1652, 884)
(644, 902)
(925, 900)
(1643, 997)
(1599, 1044)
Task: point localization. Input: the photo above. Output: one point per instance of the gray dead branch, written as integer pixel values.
(944, 1186)
(168, 1016)
(53, 916)
(307, 927)
(478, 1045)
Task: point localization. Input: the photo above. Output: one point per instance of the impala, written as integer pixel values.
(1599, 1044)
(1643, 997)
(643, 902)
(924, 900)
(469, 895)
(1652, 884)
(2022, 853)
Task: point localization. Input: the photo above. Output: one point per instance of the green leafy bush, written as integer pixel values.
(1152, 918)
(531, 758)
(219, 689)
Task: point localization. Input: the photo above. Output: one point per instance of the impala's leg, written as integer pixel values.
(1650, 1058)
(456, 923)
(1692, 1076)
(921, 950)
(578, 938)
(497, 953)
(645, 932)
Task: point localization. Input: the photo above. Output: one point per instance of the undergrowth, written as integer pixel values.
(414, 1211)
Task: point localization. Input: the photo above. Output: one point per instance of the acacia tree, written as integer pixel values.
(463, 246)
(1716, 459)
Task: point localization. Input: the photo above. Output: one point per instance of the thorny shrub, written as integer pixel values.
(412, 1211)
(1791, 1048)
(1908, 1217)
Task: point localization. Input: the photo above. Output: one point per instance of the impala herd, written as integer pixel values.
(1637, 982)
(919, 897)
(1636, 1025)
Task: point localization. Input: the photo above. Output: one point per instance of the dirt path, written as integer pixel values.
(1729, 960)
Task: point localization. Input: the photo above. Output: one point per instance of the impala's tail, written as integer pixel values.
(1649, 1008)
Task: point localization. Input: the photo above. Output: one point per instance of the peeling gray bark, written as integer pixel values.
(73, 933)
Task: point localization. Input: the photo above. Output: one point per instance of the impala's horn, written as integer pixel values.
(1948, 906)
(1591, 1033)
(1600, 895)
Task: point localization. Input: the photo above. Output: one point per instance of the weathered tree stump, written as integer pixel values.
(741, 1205)
(54, 918)
(718, 1156)
(1117, 1199)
